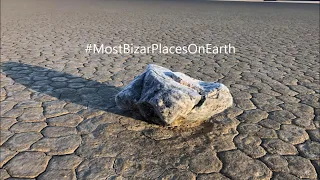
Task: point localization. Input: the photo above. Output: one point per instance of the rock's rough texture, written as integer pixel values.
(58, 146)
(27, 164)
(301, 167)
(240, 166)
(205, 162)
(4, 174)
(310, 150)
(167, 97)
(5, 155)
(22, 141)
(277, 146)
(276, 163)
(58, 174)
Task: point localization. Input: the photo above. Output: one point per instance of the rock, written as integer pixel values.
(269, 123)
(58, 131)
(237, 165)
(301, 167)
(277, 146)
(28, 127)
(173, 98)
(276, 163)
(304, 122)
(293, 134)
(4, 136)
(253, 116)
(245, 128)
(314, 135)
(205, 162)
(6, 106)
(58, 146)
(22, 141)
(6, 123)
(64, 162)
(285, 176)
(6, 155)
(281, 116)
(28, 104)
(267, 133)
(32, 115)
(4, 174)
(13, 113)
(58, 175)
(68, 120)
(224, 142)
(178, 174)
(97, 168)
(310, 150)
(215, 176)
(244, 104)
(250, 145)
(27, 164)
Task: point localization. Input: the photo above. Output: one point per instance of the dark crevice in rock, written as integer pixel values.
(148, 111)
(316, 166)
(199, 104)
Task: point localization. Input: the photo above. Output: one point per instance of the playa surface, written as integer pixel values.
(58, 115)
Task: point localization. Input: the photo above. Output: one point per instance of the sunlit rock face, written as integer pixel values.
(173, 98)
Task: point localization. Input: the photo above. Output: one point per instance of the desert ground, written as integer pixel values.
(59, 119)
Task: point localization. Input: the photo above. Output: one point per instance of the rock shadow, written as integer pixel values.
(67, 87)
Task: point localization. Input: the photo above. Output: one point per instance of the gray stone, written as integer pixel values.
(205, 162)
(54, 108)
(267, 133)
(64, 162)
(269, 123)
(28, 127)
(177, 175)
(293, 134)
(4, 174)
(58, 175)
(310, 150)
(253, 116)
(28, 104)
(245, 128)
(58, 131)
(173, 98)
(68, 120)
(301, 167)
(314, 135)
(103, 168)
(277, 146)
(237, 165)
(4, 136)
(250, 145)
(244, 104)
(32, 115)
(58, 146)
(224, 142)
(213, 176)
(6, 123)
(13, 113)
(22, 141)
(285, 176)
(6, 106)
(276, 163)
(5, 155)
(27, 164)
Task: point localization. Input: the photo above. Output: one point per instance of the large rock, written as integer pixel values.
(173, 98)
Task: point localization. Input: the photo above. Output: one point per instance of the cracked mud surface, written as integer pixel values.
(58, 115)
